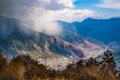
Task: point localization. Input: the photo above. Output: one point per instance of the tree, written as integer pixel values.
(108, 57)
(3, 60)
(108, 60)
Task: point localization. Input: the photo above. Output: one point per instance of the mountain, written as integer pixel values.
(96, 31)
(104, 30)
(16, 39)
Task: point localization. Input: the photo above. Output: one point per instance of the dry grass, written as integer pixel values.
(24, 68)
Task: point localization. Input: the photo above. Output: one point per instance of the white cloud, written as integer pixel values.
(44, 20)
(66, 13)
(43, 17)
(66, 3)
(112, 4)
(43, 13)
(69, 15)
(45, 0)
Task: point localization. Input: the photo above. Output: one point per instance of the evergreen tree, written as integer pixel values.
(108, 60)
(3, 60)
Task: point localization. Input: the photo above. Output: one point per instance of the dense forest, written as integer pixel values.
(23, 67)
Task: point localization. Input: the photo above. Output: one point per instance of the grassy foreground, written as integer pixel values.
(24, 68)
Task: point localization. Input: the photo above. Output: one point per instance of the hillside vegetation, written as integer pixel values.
(23, 67)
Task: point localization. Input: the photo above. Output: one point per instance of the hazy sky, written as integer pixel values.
(66, 10)
(43, 13)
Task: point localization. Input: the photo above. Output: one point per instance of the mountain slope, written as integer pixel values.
(19, 39)
(104, 30)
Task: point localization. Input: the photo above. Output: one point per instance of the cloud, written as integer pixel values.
(112, 4)
(56, 4)
(67, 15)
(44, 20)
(70, 15)
(42, 14)
(67, 3)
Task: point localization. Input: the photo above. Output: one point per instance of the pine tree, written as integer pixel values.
(3, 60)
(108, 60)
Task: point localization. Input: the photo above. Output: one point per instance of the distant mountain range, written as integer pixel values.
(104, 30)
(17, 39)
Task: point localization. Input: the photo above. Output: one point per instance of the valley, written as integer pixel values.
(47, 49)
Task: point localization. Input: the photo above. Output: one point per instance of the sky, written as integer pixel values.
(73, 10)
(43, 13)
(102, 8)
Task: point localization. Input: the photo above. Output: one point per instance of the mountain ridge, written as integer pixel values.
(40, 45)
(99, 29)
